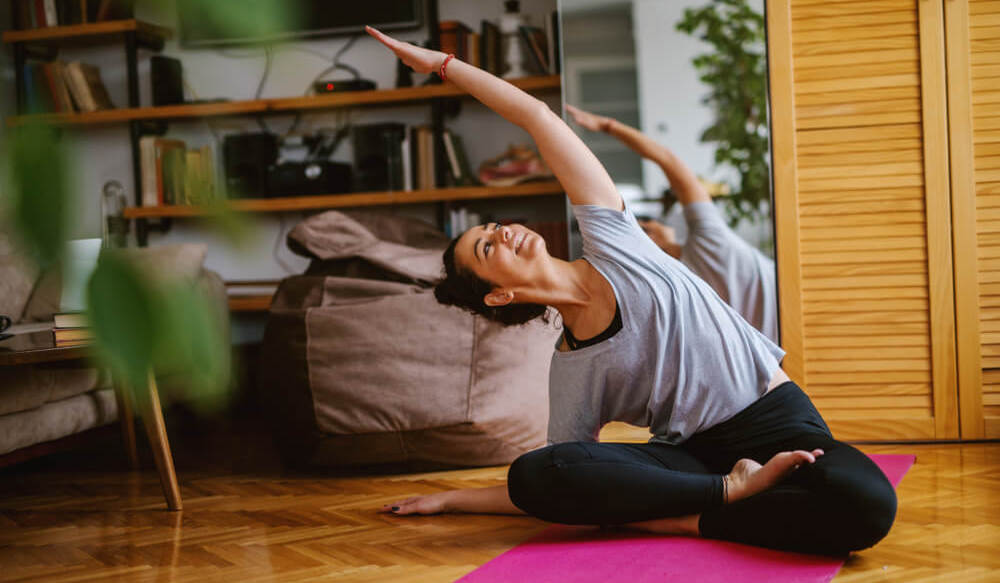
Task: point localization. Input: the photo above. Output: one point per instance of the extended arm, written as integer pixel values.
(685, 185)
(578, 170)
(493, 500)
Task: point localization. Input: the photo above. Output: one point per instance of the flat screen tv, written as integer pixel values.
(211, 23)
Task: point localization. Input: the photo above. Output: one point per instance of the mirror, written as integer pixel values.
(669, 69)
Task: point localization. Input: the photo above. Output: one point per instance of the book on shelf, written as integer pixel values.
(406, 158)
(44, 13)
(534, 40)
(162, 182)
(472, 49)
(40, 98)
(87, 88)
(199, 176)
(453, 38)
(103, 10)
(552, 40)
(424, 162)
(459, 171)
(489, 47)
(55, 74)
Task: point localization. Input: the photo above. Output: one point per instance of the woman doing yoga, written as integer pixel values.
(741, 275)
(738, 451)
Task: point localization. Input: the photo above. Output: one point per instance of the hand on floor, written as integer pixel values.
(430, 504)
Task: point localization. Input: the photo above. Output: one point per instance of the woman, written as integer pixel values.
(649, 343)
(741, 275)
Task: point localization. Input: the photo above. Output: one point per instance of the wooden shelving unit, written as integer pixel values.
(93, 33)
(355, 199)
(135, 34)
(278, 105)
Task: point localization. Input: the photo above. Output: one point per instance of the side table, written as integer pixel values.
(38, 347)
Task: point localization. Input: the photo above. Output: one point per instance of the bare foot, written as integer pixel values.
(680, 525)
(749, 478)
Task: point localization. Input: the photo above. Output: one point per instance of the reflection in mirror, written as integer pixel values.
(677, 113)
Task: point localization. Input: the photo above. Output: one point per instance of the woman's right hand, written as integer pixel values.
(429, 504)
(590, 121)
(419, 59)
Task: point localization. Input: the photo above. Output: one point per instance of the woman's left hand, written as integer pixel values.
(419, 59)
(590, 121)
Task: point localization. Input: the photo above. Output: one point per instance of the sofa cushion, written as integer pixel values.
(28, 386)
(17, 278)
(57, 419)
(168, 262)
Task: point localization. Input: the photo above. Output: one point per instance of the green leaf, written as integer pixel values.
(123, 311)
(38, 198)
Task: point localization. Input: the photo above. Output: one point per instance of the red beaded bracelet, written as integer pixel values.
(443, 65)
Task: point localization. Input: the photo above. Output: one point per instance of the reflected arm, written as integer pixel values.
(685, 185)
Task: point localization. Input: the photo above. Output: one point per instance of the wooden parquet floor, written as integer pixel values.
(82, 516)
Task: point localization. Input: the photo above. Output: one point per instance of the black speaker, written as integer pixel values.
(167, 80)
(306, 178)
(378, 156)
(246, 159)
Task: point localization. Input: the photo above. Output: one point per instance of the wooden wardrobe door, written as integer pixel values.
(859, 130)
(973, 45)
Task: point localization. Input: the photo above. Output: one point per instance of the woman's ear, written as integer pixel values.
(498, 297)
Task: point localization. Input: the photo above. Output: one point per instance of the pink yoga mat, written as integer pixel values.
(587, 554)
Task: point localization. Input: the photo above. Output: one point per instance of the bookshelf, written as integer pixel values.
(93, 33)
(134, 34)
(274, 105)
(354, 199)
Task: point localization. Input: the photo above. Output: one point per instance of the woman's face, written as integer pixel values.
(509, 256)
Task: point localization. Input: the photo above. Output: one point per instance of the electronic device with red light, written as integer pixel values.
(340, 85)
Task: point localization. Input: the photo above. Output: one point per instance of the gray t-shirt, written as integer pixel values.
(682, 362)
(741, 275)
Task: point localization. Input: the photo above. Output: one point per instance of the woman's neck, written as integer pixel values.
(583, 295)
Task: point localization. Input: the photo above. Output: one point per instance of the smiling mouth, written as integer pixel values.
(518, 242)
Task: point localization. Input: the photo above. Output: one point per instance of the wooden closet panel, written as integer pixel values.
(861, 277)
(974, 110)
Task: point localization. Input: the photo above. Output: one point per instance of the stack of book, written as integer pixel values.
(71, 329)
(65, 88)
(174, 174)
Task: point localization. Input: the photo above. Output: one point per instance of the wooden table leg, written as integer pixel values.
(126, 417)
(152, 418)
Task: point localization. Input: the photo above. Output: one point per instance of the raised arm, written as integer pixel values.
(685, 185)
(577, 168)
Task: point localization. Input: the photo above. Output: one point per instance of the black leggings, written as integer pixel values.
(841, 503)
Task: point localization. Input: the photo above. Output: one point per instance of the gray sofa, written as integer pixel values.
(42, 403)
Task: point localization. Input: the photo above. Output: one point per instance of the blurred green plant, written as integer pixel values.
(36, 199)
(242, 18)
(142, 321)
(145, 322)
(736, 73)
